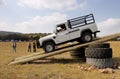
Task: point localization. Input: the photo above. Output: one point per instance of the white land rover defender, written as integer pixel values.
(81, 29)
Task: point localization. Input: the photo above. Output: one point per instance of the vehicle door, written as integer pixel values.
(62, 34)
(74, 33)
(76, 25)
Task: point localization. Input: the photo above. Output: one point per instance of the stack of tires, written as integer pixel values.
(99, 55)
(78, 53)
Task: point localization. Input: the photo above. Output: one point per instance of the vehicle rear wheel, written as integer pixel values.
(86, 37)
(49, 47)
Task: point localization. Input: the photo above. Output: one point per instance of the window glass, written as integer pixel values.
(61, 27)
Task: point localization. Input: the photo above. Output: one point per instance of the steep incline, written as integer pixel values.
(41, 56)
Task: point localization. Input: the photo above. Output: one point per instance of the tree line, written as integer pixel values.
(22, 37)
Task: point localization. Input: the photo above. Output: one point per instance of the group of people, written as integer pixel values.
(31, 45)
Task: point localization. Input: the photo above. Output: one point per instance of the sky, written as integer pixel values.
(41, 16)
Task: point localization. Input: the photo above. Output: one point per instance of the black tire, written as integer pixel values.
(100, 63)
(79, 51)
(49, 47)
(98, 53)
(102, 45)
(86, 37)
(79, 54)
(78, 57)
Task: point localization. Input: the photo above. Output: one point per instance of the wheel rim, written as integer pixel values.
(87, 38)
(49, 48)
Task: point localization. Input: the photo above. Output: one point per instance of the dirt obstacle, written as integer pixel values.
(33, 57)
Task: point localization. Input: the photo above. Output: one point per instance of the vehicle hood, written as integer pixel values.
(46, 38)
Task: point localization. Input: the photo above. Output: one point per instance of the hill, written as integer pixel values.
(6, 35)
(8, 32)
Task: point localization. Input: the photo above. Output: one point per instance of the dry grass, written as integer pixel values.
(60, 67)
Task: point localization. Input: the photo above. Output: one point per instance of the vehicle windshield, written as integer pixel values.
(61, 27)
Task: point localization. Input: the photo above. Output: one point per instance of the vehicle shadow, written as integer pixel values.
(60, 61)
(66, 61)
(116, 59)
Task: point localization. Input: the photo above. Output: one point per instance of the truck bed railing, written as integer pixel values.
(81, 21)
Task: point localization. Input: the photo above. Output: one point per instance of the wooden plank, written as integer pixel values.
(31, 55)
(103, 39)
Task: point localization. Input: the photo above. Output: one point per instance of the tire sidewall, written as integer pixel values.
(49, 47)
(86, 37)
(98, 52)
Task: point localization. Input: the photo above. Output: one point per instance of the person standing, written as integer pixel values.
(38, 44)
(34, 47)
(14, 45)
(29, 46)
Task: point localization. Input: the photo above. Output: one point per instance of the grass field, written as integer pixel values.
(59, 67)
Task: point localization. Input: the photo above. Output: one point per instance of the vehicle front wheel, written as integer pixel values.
(49, 47)
(86, 37)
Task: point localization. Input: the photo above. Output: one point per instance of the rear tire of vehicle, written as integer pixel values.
(49, 47)
(86, 37)
(100, 63)
(98, 45)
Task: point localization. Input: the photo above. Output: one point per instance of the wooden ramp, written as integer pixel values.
(27, 56)
(37, 56)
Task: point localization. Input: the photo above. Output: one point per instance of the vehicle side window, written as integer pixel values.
(61, 27)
